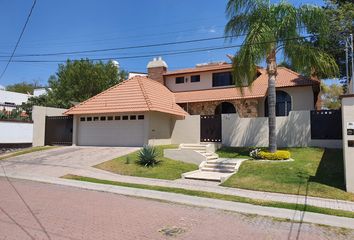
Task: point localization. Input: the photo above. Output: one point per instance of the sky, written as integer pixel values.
(76, 25)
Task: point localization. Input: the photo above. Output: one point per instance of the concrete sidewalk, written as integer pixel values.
(293, 215)
(213, 187)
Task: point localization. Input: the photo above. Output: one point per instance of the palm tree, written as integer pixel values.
(270, 30)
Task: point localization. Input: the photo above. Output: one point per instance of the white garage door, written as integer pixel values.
(105, 131)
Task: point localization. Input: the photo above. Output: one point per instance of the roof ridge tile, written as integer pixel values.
(148, 102)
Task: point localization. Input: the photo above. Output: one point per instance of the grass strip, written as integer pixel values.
(292, 206)
(25, 151)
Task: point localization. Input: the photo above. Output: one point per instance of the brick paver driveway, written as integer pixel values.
(60, 161)
(32, 210)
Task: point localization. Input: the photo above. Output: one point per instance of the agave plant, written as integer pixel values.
(147, 156)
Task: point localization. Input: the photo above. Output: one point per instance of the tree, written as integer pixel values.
(78, 80)
(330, 96)
(271, 30)
(23, 87)
(340, 14)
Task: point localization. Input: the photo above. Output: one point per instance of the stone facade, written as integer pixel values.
(245, 108)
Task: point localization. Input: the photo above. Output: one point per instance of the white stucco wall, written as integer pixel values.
(348, 152)
(292, 131)
(38, 117)
(206, 81)
(302, 99)
(187, 130)
(16, 132)
(160, 128)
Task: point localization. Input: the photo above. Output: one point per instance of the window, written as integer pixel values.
(195, 78)
(132, 117)
(109, 118)
(283, 104)
(89, 119)
(117, 118)
(125, 118)
(179, 80)
(141, 117)
(95, 118)
(103, 118)
(82, 119)
(222, 79)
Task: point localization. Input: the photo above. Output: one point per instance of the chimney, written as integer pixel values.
(156, 68)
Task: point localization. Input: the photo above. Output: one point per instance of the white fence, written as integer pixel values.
(15, 132)
(292, 131)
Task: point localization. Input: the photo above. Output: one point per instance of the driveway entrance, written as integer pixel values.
(60, 161)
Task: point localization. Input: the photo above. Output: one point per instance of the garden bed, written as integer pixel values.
(165, 169)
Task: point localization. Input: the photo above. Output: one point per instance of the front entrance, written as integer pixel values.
(58, 130)
(210, 128)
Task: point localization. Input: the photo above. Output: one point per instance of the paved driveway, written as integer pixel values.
(60, 161)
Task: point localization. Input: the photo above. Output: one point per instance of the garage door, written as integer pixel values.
(111, 131)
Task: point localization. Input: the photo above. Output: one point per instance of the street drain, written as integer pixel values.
(172, 231)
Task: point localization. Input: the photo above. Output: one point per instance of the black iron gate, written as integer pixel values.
(210, 128)
(59, 130)
(326, 124)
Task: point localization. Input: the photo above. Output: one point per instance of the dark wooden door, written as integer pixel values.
(59, 130)
(326, 124)
(210, 128)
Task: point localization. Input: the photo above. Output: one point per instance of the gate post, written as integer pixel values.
(348, 140)
(75, 123)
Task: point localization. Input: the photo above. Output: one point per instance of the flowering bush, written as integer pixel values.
(255, 153)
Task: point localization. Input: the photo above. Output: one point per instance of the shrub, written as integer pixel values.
(255, 153)
(278, 155)
(147, 156)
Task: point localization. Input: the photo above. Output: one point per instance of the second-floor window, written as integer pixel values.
(179, 80)
(195, 78)
(222, 79)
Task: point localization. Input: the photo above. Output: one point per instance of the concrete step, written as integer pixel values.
(214, 169)
(214, 163)
(211, 157)
(202, 148)
(211, 165)
(207, 176)
(192, 145)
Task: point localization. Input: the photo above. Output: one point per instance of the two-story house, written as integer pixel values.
(144, 109)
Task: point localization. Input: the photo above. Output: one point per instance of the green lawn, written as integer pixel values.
(315, 172)
(166, 169)
(300, 207)
(27, 150)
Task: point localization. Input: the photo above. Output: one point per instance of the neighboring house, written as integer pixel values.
(133, 74)
(144, 110)
(9, 100)
(40, 91)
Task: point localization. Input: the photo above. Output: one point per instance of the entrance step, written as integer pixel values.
(215, 170)
(207, 176)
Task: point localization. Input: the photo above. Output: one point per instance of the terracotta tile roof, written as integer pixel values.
(138, 94)
(225, 66)
(285, 78)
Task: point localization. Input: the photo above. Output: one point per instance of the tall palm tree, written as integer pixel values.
(271, 30)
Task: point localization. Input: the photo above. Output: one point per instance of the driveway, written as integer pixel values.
(60, 161)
